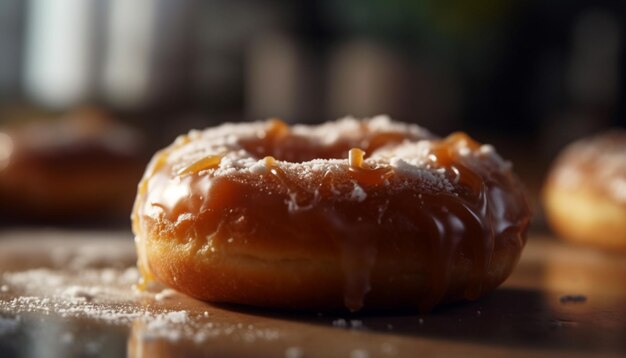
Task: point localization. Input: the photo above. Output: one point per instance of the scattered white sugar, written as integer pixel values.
(358, 194)
(294, 352)
(4, 288)
(200, 337)
(160, 326)
(165, 294)
(84, 294)
(359, 353)
(389, 349)
(130, 275)
(340, 323)
(80, 283)
(414, 169)
(259, 167)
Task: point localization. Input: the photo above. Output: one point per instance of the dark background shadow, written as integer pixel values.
(506, 317)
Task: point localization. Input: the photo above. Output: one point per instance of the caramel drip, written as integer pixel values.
(467, 219)
(355, 158)
(270, 162)
(352, 235)
(446, 155)
(208, 162)
(358, 241)
(362, 173)
(276, 129)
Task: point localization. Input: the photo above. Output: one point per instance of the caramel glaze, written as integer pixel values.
(430, 229)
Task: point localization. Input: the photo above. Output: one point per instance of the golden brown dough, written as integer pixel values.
(356, 213)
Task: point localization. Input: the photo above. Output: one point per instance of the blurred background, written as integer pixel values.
(107, 82)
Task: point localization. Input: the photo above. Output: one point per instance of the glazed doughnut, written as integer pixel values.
(354, 213)
(585, 193)
(81, 166)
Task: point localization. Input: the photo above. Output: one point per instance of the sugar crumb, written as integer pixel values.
(165, 294)
(359, 353)
(389, 349)
(258, 168)
(294, 352)
(342, 323)
(358, 194)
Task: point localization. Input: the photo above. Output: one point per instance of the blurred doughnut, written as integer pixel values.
(585, 193)
(76, 167)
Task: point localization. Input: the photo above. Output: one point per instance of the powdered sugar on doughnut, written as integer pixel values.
(598, 162)
(225, 140)
(412, 159)
(358, 194)
(351, 127)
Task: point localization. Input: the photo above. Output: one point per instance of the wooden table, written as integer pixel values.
(69, 294)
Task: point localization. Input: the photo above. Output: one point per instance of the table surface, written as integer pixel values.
(68, 293)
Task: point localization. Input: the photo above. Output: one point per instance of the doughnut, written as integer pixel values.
(584, 195)
(83, 166)
(356, 213)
